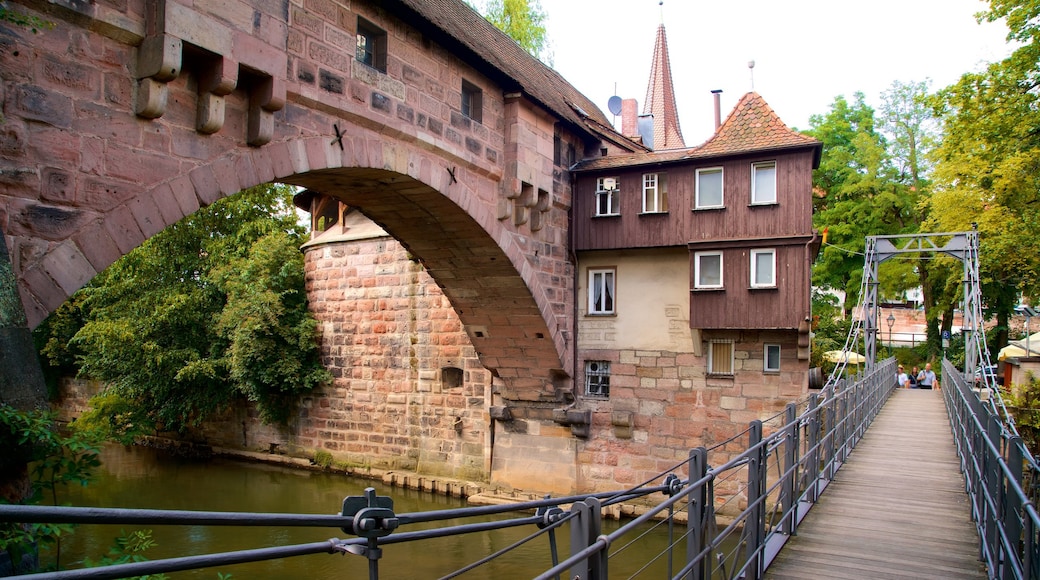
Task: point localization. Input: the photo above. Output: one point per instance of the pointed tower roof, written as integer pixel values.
(752, 126)
(660, 98)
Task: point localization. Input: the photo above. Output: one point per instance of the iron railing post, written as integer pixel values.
(756, 519)
(697, 519)
(813, 426)
(991, 498)
(585, 529)
(788, 489)
(1013, 502)
(828, 433)
(580, 533)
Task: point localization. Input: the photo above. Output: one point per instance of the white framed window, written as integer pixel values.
(597, 378)
(707, 270)
(655, 193)
(763, 268)
(608, 197)
(601, 291)
(720, 357)
(709, 188)
(771, 358)
(763, 182)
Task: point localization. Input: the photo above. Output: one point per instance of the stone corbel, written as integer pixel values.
(579, 420)
(267, 96)
(523, 204)
(158, 62)
(217, 79)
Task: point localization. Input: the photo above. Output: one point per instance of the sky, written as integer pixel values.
(806, 52)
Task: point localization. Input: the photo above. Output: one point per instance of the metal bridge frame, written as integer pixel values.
(961, 245)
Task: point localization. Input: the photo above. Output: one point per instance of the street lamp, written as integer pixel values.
(891, 322)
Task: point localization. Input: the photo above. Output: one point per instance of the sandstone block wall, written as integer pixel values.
(409, 391)
(662, 404)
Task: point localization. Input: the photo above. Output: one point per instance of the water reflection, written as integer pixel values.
(144, 478)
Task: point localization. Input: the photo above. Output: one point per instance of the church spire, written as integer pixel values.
(660, 96)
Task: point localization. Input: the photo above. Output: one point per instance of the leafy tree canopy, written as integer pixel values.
(209, 309)
(987, 169)
(858, 192)
(523, 21)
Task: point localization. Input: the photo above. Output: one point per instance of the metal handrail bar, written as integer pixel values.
(991, 460)
(883, 387)
(815, 442)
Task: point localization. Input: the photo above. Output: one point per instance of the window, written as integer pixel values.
(601, 291)
(472, 101)
(720, 357)
(597, 378)
(655, 193)
(709, 188)
(771, 358)
(763, 269)
(371, 45)
(707, 270)
(763, 182)
(608, 200)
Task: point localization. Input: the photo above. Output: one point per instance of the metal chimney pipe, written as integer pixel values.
(718, 108)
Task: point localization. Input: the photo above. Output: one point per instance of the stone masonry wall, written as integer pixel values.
(662, 404)
(409, 391)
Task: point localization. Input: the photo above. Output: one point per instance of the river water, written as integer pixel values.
(145, 478)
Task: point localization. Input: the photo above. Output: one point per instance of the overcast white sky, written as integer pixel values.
(806, 52)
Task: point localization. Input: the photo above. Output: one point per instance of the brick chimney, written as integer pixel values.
(629, 117)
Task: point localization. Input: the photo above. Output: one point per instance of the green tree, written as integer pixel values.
(523, 21)
(858, 193)
(210, 309)
(987, 169)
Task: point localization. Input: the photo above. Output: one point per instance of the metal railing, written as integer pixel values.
(993, 459)
(737, 515)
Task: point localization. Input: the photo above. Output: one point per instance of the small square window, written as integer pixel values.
(472, 101)
(709, 188)
(707, 270)
(655, 193)
(771, 358)
(608, 198)
(597, 378)
(763, 269)
(720, 357)
(763, 182)
(601, 291)
(371, 45)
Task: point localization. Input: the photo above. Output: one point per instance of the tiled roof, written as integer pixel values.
(660, 98)
(510, 65)
(751, 127)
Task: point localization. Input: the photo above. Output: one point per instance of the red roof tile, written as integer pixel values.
(660, 98)
(751, 127)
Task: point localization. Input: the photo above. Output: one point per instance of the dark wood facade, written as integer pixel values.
(735, 229)
(739, 306)
(682, 224)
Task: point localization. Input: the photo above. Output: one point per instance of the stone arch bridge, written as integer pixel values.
(128, 115)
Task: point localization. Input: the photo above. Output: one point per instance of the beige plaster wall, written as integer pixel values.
(652, 302)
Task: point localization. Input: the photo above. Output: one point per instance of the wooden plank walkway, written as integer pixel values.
(896, 509)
